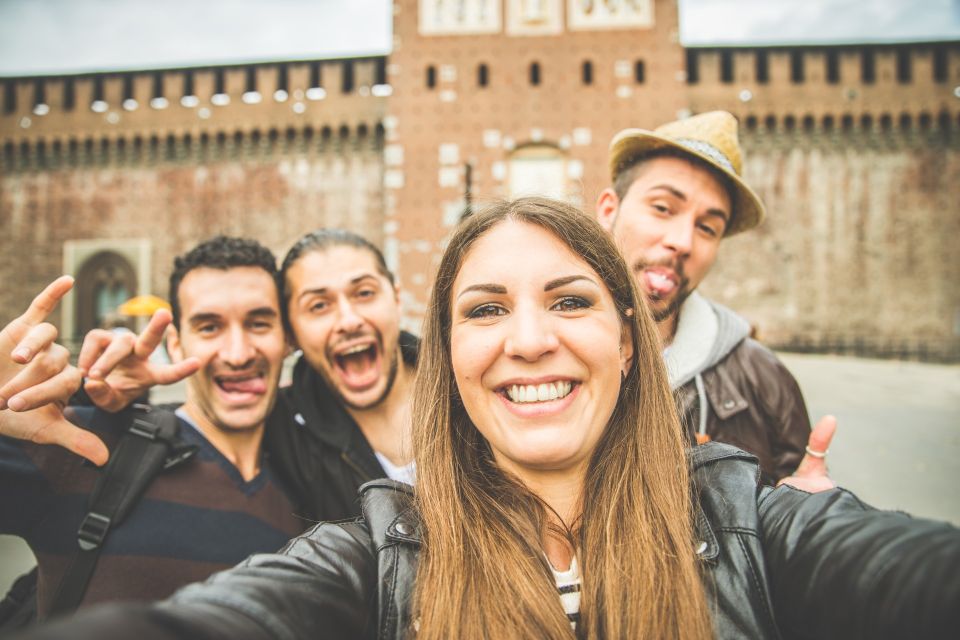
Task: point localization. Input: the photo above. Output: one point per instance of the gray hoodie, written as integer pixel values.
(706, 333)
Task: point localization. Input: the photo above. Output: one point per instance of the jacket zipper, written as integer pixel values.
(353, 465)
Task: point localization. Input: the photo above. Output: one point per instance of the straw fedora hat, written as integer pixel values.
(710, 137)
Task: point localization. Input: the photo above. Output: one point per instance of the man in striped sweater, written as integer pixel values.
(196, 518)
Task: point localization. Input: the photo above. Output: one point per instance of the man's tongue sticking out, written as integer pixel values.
(658, 284)
(255, 385)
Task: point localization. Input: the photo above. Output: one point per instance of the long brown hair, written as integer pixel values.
(483, 572)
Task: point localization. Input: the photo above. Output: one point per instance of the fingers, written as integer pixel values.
(36, 340)
(152, 335)
(168, 374)
(822, 434)
(812, 471)
(104, 396)
(93, 346)
(47, 300)
(35, 380)
(121, 346)
(57, 389)
(69, 436)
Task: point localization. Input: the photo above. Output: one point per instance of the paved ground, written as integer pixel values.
(898, 442)
(897, 447)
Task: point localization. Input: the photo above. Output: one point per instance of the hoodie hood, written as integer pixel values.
(706, 333)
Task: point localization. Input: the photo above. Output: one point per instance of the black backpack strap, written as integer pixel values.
(19, 607)
(149, 446)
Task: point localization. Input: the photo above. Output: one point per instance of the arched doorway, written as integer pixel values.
(538, 169)
(103, 283)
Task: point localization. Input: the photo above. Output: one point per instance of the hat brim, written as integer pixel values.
(630, 144)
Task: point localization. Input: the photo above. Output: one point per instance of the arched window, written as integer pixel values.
(104, 282)
(538, 170)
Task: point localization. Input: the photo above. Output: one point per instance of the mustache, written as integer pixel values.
(350, 337)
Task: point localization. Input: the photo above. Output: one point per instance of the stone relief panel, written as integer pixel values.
(534, 17)
(459, 17)
(584, 15)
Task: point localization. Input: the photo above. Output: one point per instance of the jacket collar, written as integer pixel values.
(320, 407)
(388, 509)
(388, 505)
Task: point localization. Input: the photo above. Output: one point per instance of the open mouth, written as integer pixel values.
(544, 392)
(358, 365)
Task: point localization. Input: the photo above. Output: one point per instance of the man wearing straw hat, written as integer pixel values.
(676, 194)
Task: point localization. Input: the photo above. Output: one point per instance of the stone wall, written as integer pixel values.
(174, 196)
(858, 254)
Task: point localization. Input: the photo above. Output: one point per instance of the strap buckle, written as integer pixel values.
(92, 531)
(144, 429)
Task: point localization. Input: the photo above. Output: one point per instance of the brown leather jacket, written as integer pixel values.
(732, 389)
(753, 403)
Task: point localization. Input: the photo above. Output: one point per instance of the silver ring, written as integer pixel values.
(817, 454)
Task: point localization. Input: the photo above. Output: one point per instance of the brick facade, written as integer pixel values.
(853, 148)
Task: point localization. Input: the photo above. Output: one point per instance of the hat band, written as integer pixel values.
(707, 149)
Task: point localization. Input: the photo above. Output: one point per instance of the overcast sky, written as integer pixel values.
(61, 36)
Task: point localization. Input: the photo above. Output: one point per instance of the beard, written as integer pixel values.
(670, 306)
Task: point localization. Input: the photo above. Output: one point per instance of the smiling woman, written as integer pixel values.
(554, 498)
(515, 475)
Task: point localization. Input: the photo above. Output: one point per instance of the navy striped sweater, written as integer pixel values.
(195, 519)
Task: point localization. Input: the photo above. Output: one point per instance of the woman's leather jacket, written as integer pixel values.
(777, 563)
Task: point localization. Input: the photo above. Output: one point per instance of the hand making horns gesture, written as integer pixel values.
(36, 380)
(119, 368)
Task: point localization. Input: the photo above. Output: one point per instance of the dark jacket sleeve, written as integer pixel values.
(322, 584)
(782, 401)
(841, 569)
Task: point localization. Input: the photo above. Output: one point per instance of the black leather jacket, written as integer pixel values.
(777, 563)
(317, 447)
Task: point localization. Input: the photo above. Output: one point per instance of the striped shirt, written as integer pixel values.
(194, 519)
(568, 585)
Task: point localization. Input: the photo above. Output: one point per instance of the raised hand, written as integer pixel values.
(36, 380)
(118, 365)
(812, 474)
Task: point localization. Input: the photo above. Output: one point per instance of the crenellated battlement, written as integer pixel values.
(65, 116)
(828, 88)
(854, 149)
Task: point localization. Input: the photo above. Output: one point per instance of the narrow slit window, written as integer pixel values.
(762, 61)
(535, 74)
(69, 94)
(693, 67)
(868, 66)
(348, 82)
(833, 67)
(796, 67)
(380, 72)
(904, 69)
(726, 67)
(940, 64)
